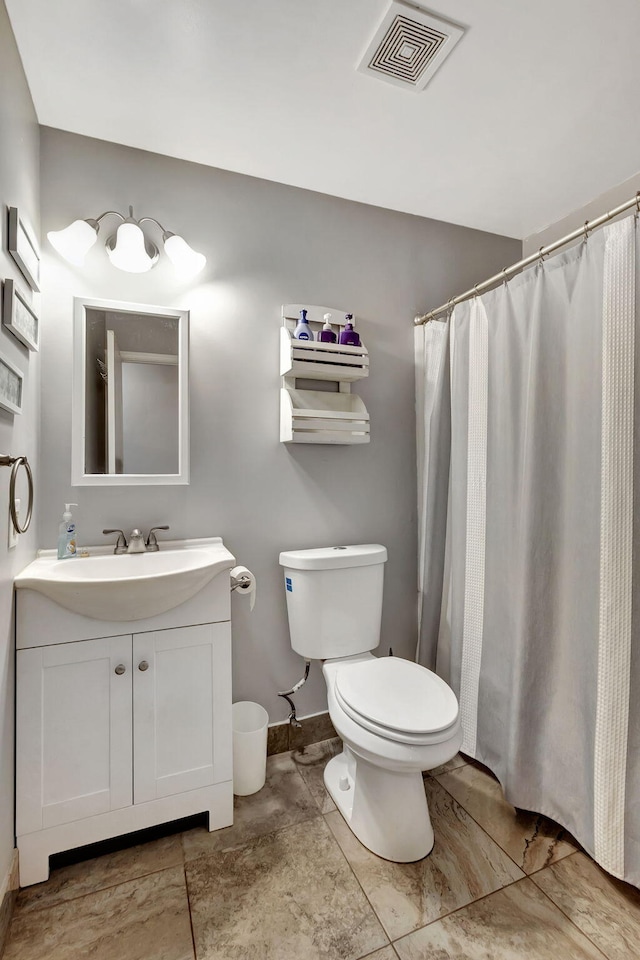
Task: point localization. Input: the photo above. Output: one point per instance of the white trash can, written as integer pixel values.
(250, 722)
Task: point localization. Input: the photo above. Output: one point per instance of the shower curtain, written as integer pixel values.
(529, 532)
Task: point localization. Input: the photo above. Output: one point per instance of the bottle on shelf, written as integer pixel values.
(303, 331)
(327, 334)
(349, 337)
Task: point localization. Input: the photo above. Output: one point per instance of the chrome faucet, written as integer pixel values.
(136, 542)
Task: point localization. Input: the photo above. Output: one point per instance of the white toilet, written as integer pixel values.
(395, 717)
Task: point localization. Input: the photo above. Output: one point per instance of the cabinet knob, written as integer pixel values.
(120, 669)
(143, 665)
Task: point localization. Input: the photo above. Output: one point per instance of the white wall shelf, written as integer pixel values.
(311, 416)
(321, 361)
(314, 416)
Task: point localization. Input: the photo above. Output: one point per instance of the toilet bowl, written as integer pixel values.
(376, 782)
(395, 717)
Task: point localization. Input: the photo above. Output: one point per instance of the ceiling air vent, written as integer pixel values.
(409, 46)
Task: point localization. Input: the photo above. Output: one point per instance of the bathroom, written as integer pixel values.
(100, 139)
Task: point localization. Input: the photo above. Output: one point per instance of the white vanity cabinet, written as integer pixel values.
(119, 731)
(74, 743)
(181, 695)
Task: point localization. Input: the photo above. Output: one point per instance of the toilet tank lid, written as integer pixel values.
(325, 558)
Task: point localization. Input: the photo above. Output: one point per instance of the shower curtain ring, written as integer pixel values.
(504, 274)
(541, 255)
(586, 230)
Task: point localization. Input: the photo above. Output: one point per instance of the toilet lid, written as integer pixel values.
(398, 694)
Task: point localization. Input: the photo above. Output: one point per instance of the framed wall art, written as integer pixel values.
(23, 249)
(19, 317)
(11, 384)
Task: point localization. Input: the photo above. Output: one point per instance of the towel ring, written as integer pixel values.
(15, 463)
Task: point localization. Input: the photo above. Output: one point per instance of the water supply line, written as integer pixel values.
(286, 695)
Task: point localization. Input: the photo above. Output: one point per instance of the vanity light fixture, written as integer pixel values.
(128, 248)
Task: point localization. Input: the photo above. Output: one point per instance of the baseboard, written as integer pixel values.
(8, 891)
(282, 736)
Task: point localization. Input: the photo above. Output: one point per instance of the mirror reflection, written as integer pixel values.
(132, 393)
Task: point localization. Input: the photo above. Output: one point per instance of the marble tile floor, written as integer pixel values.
(289, 881)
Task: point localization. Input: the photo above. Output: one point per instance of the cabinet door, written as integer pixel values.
(73, 730)
(181, 709)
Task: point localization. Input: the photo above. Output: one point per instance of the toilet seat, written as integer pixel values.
(397, 699)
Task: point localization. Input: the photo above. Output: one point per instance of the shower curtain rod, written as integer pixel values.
(521, 264)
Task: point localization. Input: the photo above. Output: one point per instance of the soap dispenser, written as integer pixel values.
(348, 337)
(303, 331)
(67, 538)
(327, 334)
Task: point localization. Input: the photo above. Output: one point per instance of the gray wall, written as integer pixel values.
(266, 244)
(19, 187)
(594, 208)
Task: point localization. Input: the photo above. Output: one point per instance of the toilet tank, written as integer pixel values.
(334, 599)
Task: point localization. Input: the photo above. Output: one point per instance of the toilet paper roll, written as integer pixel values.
(244, 584)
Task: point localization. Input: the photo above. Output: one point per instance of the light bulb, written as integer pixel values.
(186, 261)
(74, 242)
(127, 250)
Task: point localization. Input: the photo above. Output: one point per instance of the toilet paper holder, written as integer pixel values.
(241, 582)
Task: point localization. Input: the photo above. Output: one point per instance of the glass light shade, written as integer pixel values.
(74, 242)
(128, 252)
(186, 261)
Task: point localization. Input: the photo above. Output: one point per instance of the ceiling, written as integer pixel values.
(532, 115)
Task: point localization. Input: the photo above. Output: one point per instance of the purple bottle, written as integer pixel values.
(348, 337)
(327, 335)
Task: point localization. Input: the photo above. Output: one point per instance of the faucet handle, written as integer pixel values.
(121, 542)
(152, 542)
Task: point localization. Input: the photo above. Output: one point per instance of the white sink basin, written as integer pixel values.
(132, 586)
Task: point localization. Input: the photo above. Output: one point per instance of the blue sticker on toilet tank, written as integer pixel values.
(289, 584)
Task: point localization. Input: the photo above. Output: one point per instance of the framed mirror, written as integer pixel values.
(130, 415)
